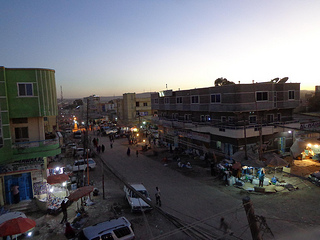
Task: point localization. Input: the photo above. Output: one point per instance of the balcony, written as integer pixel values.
(35, 149)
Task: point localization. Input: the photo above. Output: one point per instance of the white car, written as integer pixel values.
(116, 229)
(135, 202)
(80, 165)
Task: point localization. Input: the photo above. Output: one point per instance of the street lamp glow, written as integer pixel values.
(309, 145)
(289, 132)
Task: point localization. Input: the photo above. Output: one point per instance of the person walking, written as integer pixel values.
(103, 148)
(111, 144)
(128, 152)
(137, 153)
(261, 178)
(225, 227)
(64, 211)
(158, 197)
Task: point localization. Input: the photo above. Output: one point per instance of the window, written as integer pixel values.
(156, 100)
(166, 100)
(208, 118)
(279, 117)
(262, 96)
(270, 118)
(145, 104)
(187, 117)
(291, 95)
(122, 232)
(216, 98)
(252, 119)
(223, 119)
(231, 119)
(194, 99)
(174, 115)
(179, 99)
(21, 134)
(25, 89)
(137, 104)
(202, 118)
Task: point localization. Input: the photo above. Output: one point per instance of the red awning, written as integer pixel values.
(58, 178)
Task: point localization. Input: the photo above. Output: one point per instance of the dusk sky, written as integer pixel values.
(113, 47)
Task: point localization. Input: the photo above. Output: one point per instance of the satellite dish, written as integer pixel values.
(283, 80)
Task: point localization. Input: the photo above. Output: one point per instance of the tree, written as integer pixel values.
(314, 103)
(222, 81)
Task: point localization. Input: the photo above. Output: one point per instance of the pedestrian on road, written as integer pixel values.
(158, 197)
(103, 148)
(261, 178)
(224, 226)
(111, 145)
(137, 153)
(128, 152)
(64, 211)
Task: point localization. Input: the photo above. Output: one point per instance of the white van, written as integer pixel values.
(112, 230)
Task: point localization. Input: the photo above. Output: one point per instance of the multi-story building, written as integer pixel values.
(228, 118)
(134, 109)
(28, 124)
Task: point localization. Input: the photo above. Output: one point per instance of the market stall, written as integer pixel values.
(54, 191)
(307, 148)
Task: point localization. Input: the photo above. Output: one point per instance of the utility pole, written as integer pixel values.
(87, 141)
(255, 231)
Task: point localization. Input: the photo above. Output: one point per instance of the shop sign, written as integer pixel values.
(22, 165)
(309, 125)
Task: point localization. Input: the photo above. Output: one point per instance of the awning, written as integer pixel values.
(58, 178)
(80, 192)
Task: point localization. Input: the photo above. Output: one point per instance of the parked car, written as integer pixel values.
(135, 202)
(71, 145)
(80, 165)
(79, 152)
(315, 178)
(113, 229)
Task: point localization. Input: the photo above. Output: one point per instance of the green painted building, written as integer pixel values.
(28, 124)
